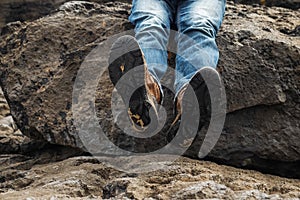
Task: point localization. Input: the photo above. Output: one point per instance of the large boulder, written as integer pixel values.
(259, 63)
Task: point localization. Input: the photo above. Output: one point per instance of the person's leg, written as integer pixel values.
(152, 19)
(198, 22)
(142, 90)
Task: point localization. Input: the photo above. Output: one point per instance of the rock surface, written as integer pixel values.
(11, 138)
(259, 63)
(89, 178)
(25, 10)
(292, 4)
(28, 10)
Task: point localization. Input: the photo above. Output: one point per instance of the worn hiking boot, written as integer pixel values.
(184, 101)
(138, 88)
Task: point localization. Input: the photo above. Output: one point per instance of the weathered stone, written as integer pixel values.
(4, 108)
(259, 65)
(29, 10)
(89, 178)
(11, 139)
(292, 4)
(25, 10)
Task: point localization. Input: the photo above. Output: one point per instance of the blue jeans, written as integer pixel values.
(197, 21)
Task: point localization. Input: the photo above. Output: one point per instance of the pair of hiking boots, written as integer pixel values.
(141, 90)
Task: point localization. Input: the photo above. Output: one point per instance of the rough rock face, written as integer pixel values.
(59, 51)
(89, 178)
(23, 10)
(259, 64)
(11, 139)
(292, 4)
(27, 10)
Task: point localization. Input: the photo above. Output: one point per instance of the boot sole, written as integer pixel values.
(199, 87)
(125, 55)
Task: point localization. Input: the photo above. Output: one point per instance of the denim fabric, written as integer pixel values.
(197, 21)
